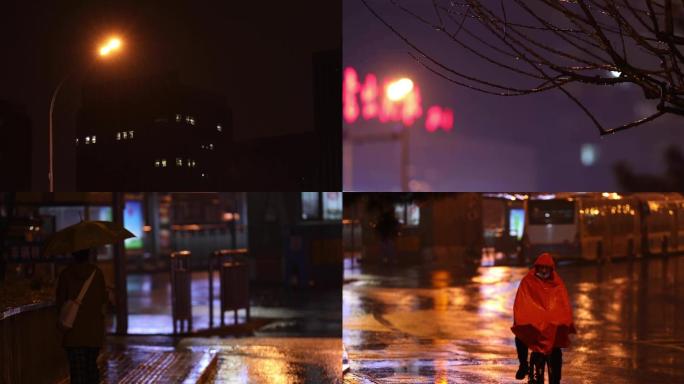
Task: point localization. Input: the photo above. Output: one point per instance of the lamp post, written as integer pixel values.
(111, 46)
(396, 92)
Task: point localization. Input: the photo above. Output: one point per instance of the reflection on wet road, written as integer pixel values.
(444, 324)
(273, 360)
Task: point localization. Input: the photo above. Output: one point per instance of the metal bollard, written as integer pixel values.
(181, 296)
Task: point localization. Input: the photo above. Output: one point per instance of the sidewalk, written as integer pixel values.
(163, 359)
(275, 310)
(126, 360)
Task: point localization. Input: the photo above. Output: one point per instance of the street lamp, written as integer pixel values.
(111, 46)
(396, 92)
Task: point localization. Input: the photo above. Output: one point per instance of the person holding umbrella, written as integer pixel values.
(81, 294)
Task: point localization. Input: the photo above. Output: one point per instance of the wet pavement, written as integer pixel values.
(445, 324)
(273, 360)
(287, 312)
(125, 361)
(165, 359)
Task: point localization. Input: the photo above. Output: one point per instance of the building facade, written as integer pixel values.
(152, 133)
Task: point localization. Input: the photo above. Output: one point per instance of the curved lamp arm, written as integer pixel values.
(51, 175)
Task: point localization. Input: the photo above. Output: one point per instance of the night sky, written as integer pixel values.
(523, 143)
(257, 54)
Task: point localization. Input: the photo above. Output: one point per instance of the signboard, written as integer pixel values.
(397, 100)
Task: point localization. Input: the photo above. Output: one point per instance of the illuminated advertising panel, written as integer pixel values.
(133, 221)
(516, 222)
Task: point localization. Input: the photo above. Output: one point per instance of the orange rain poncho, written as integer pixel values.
(542, 316)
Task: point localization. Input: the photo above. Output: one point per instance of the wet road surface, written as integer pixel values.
(273, 360)
(444, 324)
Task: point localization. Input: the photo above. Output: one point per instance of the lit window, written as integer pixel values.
(310, 205)
(163, 163)
(77, 141)
(190, 120)
(407, 214)
(118, 135)
(219, 128)
(211, 146)
(204, 175)
(332, 205)
(125, 135)
(156, 163)
(179, 161)
(87, 140)
(93, 139)
(189, 163)
(178, 118)
(130, 134)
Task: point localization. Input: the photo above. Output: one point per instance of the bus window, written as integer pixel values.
(551, 212)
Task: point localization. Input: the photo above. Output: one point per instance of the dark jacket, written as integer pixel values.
(89, 328)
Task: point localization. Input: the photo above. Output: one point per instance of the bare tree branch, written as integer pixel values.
(548, 45)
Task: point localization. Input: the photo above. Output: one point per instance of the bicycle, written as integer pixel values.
(538, 361)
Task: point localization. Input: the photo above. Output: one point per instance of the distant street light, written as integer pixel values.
(112, 45)
(399, 89)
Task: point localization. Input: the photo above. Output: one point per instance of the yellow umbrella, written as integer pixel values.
(84, 235)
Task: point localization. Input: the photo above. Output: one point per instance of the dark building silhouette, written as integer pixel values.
(304, 161)
(151, 133)
(155, 133)
(15, 148)
(327, 118)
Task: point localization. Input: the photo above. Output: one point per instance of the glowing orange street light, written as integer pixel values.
(111, 46)
(399, 89)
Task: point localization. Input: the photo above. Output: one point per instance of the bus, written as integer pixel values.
(601, 226)
(662, 222)
(551, 225)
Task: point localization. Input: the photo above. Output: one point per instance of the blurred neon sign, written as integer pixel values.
(395, 101)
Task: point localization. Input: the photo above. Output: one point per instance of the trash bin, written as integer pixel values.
(233, 280)
(234, 288)
(181, 295)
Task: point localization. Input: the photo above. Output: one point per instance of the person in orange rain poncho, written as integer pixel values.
(542, 316)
